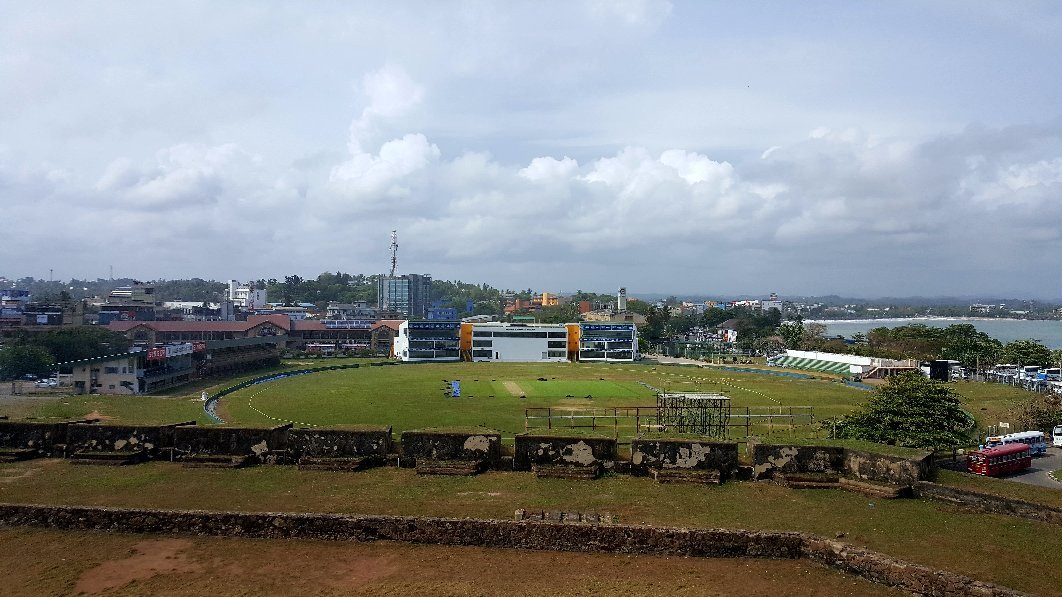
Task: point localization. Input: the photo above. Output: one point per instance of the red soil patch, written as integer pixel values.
(152, 558)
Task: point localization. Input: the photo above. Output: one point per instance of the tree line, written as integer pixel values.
(959, 342)
(39, 353)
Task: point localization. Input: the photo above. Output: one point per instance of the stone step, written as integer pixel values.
(810, 478)
(105, 458)
(465, 468)
(873, 489)
(694, 476)
(17, 454)
(349, 464)
(567, 471)
(218, 461)
(811, 485)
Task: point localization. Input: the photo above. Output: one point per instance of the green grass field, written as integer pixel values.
(495, 395)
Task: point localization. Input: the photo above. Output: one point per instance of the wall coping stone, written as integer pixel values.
(988, 502)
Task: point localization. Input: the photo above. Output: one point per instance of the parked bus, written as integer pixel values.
(1000, 460)
(1056, 436)
(1034, 439)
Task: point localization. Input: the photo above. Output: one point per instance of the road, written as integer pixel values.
(1038, 472)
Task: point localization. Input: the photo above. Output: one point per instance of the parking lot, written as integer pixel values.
(1041, 466)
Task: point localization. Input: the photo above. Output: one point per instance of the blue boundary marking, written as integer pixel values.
(211, 404)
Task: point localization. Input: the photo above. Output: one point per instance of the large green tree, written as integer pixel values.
(19, 359)
(1026, 352)
(81, 342)
(909, 410)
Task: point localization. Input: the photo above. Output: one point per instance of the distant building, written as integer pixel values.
(621, 299)
(442, 313)
(516, 342)
(156, 367)
(608, 315)
(409, 295)
(359, 310)
(772, 303)
(247, 296)
(129, 303)
(428, 341)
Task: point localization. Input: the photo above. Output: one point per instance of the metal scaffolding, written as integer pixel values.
(705, 414)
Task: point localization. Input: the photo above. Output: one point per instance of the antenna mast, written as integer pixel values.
(394, 252)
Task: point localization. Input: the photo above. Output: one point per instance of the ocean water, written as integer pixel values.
(1005, 330)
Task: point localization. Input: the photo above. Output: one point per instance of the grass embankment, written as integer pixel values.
(48, 562)
(990, 403)
(1009, 489)
(926, 532)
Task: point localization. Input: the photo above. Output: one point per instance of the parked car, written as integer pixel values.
(46, 383)
(29, 377)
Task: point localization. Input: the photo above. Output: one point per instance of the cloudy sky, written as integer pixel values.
(865, 149)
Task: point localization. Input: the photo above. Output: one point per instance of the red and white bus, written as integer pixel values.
(999, 460)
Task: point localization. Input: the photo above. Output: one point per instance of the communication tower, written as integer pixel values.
(394, 252)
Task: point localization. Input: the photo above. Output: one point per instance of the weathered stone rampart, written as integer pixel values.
(195, 440)
(452, 444)
(339, 443)
(772, 459)
(46, 439)
(668, 453)
(575, 537)
(91, 437)
(552, 450)
(883, 468)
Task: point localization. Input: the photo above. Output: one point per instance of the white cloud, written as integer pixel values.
(391, 93)
(632, 12)
(549, 168)
(665, 144)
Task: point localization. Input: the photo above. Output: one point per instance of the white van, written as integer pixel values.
(1056, 437)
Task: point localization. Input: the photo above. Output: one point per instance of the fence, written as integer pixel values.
(631, 421)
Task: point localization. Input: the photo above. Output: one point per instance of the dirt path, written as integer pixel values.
(513, 388)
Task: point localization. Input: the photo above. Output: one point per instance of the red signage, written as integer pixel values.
(156, 354)
(198, 346)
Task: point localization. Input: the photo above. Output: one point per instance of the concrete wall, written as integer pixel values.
(574, 537)
(683, 454)
(881, 468)
(557, 450)
(445, 444)
(768, 459)
(338, 443)
(20, 435)
(236, 441)
(88, 437)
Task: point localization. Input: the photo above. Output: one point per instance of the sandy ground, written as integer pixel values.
(48, 562)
